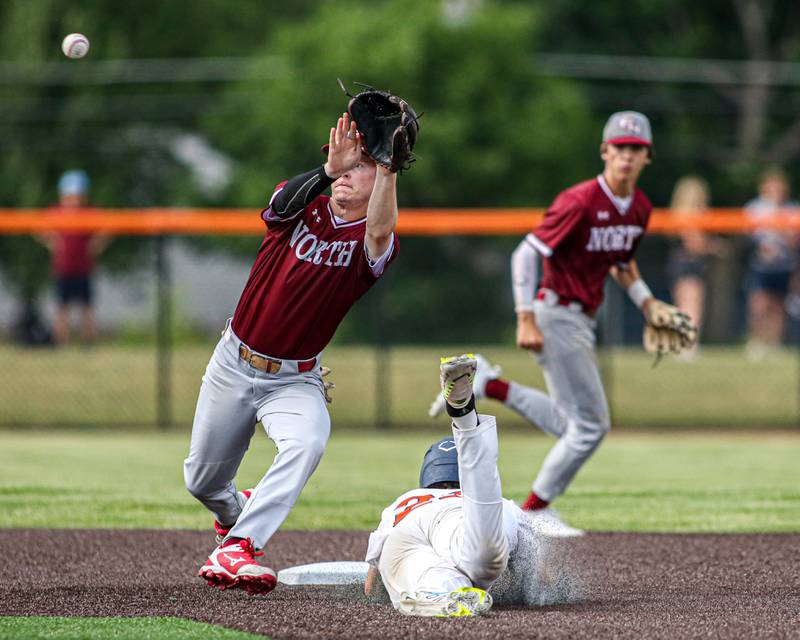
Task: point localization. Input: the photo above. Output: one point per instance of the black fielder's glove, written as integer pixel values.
(388, 126)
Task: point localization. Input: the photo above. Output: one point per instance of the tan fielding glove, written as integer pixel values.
(327, 384)
(667, 329)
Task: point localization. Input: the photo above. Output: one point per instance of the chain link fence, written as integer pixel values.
(449, 294)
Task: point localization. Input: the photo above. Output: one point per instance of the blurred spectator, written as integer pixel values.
(689, 259)
(771, 265)
(73, 256)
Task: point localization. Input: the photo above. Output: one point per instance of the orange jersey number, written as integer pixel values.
(413, 502)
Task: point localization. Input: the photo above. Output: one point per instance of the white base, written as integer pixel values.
(325, 573)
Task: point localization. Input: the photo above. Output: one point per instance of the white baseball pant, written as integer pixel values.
(576, 410)
(233, 398)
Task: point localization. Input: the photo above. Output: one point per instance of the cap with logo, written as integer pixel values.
(628, 127)
(73, 183)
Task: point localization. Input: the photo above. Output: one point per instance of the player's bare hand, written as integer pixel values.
(528, 334)
(344, 147)
(369, 584)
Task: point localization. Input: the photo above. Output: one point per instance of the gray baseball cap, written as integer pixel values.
(628, 127)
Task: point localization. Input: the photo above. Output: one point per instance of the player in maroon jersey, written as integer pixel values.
(592, 229)
(319, 255)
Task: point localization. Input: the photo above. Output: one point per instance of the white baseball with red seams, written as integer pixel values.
(75, 45)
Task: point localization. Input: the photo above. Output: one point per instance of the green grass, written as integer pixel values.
(62, 628)
(115, 384)
(680, 482)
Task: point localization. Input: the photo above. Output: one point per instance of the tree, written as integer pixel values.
(726, 127)
(494, 133)
(117, 130)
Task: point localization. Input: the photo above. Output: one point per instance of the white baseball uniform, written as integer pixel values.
(438, 540)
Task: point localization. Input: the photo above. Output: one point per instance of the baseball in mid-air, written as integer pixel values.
(75, 45)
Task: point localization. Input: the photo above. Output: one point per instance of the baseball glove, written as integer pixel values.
(388, 125)
(327, 385)
(667, 329)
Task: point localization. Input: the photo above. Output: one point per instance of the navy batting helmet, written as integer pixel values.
(440, 463)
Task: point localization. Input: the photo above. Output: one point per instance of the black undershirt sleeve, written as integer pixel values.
(298, 192)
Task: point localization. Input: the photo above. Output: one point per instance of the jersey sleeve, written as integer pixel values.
(378, 537)
(268, 215)
(560, 220)
(524, 277)
(370, 270)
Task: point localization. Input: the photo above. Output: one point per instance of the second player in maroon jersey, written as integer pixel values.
(319, 255)
(585, 232)
(590, 231)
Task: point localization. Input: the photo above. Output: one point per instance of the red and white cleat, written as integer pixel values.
(223, 530)
(233, 564)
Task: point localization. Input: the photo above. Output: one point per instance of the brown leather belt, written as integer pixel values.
(271, 365)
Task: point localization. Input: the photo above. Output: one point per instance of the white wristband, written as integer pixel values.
(638, 292)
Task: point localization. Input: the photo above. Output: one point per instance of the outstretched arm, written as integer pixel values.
(381, 213)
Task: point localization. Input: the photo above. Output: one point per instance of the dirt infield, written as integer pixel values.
(631, 586)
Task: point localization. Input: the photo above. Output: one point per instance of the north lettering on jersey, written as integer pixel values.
(613, 238)
(309, 271)
(584, 234)
(309, 248)
(321, 246)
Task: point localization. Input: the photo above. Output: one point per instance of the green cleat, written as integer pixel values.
(461, 603)
(484, 372)
(467, 601)
(456, 375)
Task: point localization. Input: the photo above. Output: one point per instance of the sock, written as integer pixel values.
(497, 389)
(534, 502)
(464, 418)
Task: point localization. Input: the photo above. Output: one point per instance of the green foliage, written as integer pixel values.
(26, 263)
(496, 130)
(492, 132)
(698, 127)
(118, 132)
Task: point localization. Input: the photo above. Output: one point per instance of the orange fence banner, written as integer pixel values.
(411, 222)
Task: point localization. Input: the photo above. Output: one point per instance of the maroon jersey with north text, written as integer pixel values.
(583, 234)
(309, 271)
